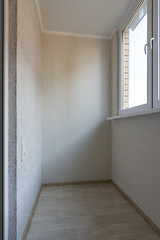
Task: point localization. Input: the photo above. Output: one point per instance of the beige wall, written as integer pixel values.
(28, 110)
(76, 101)
(136, 158)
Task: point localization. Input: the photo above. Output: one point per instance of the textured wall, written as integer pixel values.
(28, 110)
(12, 121)
(6, 123)
(136, 158)
(76, 101)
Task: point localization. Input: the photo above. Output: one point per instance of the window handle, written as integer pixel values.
(151, 42)
(145, 48)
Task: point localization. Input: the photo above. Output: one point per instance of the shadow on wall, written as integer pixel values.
(76, 70)
(86, 157)
(76, 100)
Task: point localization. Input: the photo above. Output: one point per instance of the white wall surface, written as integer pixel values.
(76, 101)
(28, 110)
(136, 159)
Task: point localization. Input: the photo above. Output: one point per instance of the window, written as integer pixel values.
(156, 54)
(140, 58)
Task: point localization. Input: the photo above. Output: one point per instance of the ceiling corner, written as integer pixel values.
(39, 15)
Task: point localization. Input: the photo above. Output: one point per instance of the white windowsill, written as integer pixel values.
(151, 111)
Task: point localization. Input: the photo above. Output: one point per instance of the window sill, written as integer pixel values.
(151, 111)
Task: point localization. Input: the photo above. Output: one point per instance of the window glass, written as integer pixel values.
(134, 89)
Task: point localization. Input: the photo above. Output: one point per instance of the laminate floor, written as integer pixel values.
(87, 212)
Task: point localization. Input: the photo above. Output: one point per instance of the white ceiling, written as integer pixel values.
(86, 17)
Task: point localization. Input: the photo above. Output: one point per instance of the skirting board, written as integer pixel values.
(75, 183)
(149, 221)
(31, 215)
(155, 228)
(52, 185)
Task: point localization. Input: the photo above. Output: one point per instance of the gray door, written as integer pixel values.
(1, 118)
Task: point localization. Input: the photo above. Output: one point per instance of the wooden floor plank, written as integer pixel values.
(87, 212)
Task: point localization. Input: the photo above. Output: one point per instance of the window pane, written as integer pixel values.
(135, 59)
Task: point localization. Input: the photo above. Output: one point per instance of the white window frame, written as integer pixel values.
(156, 53)
(149, 104)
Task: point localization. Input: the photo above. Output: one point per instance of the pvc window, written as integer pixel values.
(140, 58)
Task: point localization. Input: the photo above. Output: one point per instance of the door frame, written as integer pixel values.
(1, 114)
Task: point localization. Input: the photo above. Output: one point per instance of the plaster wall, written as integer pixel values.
(76, 101)
(12, 120)
(29, 48)
(136, 155)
